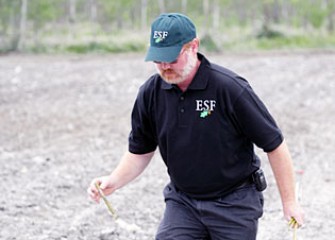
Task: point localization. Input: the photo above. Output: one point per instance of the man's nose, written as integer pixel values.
(165, 65)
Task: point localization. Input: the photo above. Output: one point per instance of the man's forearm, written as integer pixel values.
(130, 166)
(282, 167)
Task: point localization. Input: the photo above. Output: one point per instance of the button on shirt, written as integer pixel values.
(205, 134)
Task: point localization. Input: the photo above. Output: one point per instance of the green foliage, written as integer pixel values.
(317, 17)
(51, 19)
(7, 13)
(43, 11)
(208, 43)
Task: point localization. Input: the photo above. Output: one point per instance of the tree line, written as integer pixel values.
(22, 21)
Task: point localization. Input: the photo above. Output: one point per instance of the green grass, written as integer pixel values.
(82, 45)
(96, 47)
(305, 42)
(280, 40)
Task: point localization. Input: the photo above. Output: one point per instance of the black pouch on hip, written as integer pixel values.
(259, 179)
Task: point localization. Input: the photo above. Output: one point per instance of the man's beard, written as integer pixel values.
(173, 77)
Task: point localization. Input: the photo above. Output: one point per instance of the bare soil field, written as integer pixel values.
(66, 119)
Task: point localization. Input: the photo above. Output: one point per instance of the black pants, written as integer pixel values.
(232, 217)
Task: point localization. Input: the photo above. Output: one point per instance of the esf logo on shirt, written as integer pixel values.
(205, 107)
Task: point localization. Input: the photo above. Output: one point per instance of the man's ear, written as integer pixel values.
(195, 44)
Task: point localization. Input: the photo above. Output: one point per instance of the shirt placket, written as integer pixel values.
(182, 111)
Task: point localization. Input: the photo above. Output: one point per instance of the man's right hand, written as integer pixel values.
(105, 185)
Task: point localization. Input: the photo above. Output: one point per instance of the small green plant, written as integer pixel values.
(267, 32)
(209, 44)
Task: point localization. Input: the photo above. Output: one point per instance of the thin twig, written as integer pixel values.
(107, 203)
(293, 224)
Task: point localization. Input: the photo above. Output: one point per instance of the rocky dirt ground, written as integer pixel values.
(65, 120)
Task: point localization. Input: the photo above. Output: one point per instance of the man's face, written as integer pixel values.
(176, 72)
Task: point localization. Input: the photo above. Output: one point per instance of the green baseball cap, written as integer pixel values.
(169, 32)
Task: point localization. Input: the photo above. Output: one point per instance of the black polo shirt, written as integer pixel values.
(205, 134)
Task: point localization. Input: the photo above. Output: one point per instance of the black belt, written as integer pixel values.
(246, 182)
(256, 178)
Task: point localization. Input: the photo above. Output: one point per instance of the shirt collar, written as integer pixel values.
(200, 79)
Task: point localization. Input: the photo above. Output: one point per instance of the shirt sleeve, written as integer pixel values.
(142, 138)
(256, 122)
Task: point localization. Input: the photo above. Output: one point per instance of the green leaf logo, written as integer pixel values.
(205, 113)
(158, 40)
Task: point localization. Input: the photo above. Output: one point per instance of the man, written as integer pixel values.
(205, 120)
